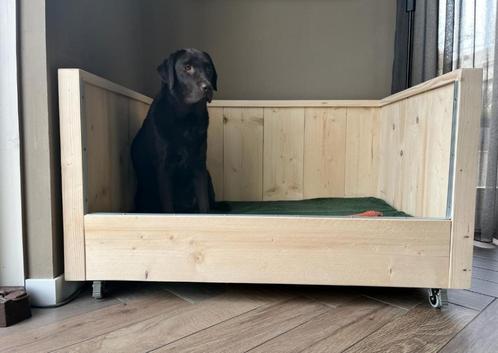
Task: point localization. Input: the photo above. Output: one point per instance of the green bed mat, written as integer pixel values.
(314, 207)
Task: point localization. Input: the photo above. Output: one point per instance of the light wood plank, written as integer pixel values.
(392, 120)
(72, 159)
(324, 152)
(82, 327)
(415, 148)
(438, 152)
(268, 249)
(283, 164)
(465, 177)
(295, 103)
(108, 85)
(426, 86)
(422, 329)
(334, 330)
(413, 151)
(243, 154)
(98, 168)
(249, 330)
(480, 336)
(108, 155)
(137, 113)
(166, 328)
(215, 151)
(362, 152)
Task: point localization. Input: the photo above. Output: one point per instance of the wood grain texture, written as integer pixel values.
(215, 163)
(362, 152)
(171, 326)
(426, 86)
(252, 249)
(334, 330)
(249, 330)
(108, 150)
(392, 119)
(137, 111)
(243, 154)
(109, 85)
(439, 112)
(294, 103)
(465, 176)
(414, 152)
(283, 164)
(44, 317)
(89, 325)
(422, 329)
(479, 336)
(72, 160)
(324, 152)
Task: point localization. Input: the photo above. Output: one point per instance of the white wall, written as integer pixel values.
(11, 236)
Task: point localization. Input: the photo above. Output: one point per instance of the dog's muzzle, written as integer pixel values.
(208, 92)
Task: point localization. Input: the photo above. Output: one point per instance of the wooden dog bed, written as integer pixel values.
(415, 150)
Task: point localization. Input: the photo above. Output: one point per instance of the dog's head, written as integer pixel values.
(190, 75)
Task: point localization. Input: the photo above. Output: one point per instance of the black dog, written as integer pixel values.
(169, 151)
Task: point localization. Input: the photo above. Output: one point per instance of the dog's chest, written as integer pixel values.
(187, 146)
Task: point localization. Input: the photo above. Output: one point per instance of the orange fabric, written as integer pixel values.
(370, 213)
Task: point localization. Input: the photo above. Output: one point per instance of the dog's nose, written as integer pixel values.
(205, 87)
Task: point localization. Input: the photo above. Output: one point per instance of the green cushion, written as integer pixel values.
(315, 207)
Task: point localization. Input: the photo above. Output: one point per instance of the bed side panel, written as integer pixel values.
(299, 250)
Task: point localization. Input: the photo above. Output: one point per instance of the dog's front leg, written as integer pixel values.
(201, 190)
(165, 192)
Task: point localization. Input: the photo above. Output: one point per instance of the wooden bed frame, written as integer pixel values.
(417, 150)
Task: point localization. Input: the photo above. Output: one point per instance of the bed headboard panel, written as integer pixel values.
(265, 150)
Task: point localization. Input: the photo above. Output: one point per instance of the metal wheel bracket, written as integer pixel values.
(98, 290)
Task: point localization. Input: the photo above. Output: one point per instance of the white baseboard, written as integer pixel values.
(50, 291)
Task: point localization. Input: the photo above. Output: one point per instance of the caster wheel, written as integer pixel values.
(438, 298)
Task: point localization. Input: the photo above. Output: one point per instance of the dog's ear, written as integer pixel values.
(214, 80)
(167, 70)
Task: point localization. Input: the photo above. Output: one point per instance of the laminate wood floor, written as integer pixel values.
(174, 317)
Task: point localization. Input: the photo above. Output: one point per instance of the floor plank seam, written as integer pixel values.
(107, 332)
(386, 302)
(350, 324)
(405, 312)
(219, 323)
(486, 294)
(485, 280)
(293, 328)
(467, 307)
(468, 323)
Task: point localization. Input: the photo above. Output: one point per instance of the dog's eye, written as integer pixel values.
(188, 67)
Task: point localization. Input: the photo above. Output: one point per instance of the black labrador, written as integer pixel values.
(169, 150)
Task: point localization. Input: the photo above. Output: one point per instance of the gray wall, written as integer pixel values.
(279, 49)
(100, 36)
